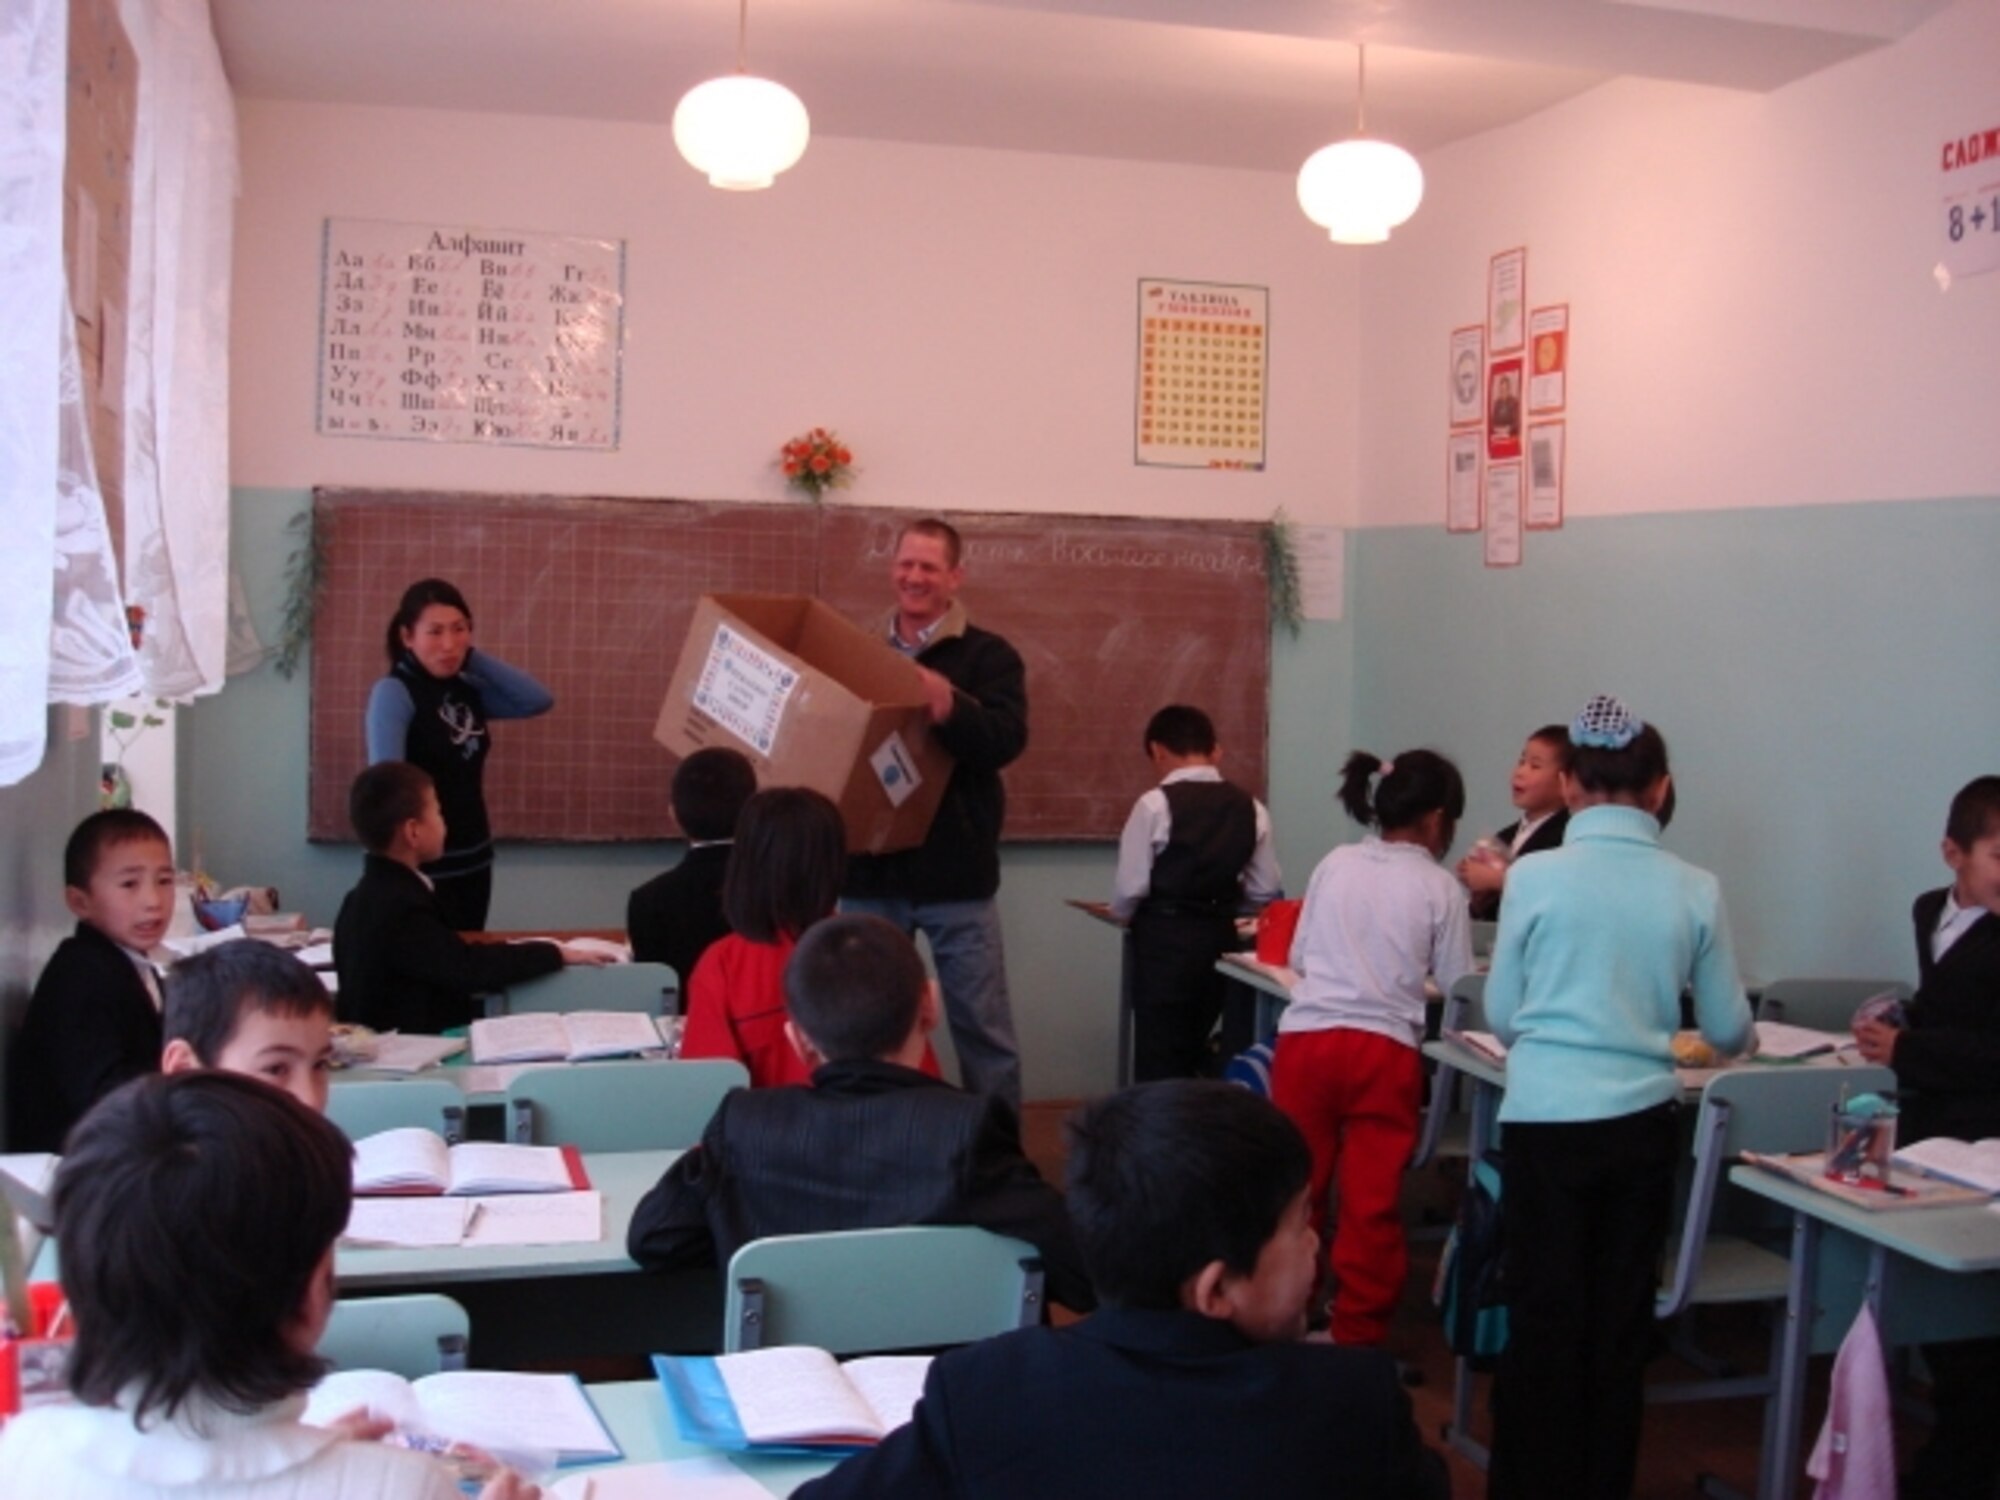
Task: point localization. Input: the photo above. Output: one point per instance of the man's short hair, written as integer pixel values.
(101, 832)
(1166, 1177)
(942, 531)
(193, 1211)
(383, 798)
(208, 995)
(854, 986)
(1181, 730)
(1975, 812)
(710, 788)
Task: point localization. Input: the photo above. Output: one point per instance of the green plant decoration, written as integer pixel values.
(1281, 566)
(305, 577)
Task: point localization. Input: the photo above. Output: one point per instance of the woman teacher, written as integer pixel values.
(432, 710)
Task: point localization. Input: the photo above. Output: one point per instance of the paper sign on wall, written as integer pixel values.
(455, 335)
(1203, 363)
(1548, 359)
(1503, 409)
(1468, 365)
(1461, 482)
(1970, 165)
(1503, 515)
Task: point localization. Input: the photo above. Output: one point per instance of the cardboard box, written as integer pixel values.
(812, 701)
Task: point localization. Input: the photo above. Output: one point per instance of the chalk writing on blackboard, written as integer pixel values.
(447, 334)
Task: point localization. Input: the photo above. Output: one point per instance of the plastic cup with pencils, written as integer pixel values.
(1861, 1139)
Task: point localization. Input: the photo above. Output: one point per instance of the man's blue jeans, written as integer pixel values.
(971, 965)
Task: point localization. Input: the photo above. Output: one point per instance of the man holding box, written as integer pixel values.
(944, 888)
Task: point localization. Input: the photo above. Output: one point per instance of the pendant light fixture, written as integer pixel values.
(1359, 189)
(741, 130)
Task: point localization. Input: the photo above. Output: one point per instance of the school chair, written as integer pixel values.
(1446, 1126)
(648, 988)
(366, 1106)
(1773, 1111)
(1821, 1004)
(621, 1104)
(413, 1335)
(863, 1290)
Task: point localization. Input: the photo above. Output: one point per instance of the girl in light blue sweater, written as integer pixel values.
(1597, 941)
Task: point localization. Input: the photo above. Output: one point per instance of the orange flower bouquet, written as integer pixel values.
(817, 461)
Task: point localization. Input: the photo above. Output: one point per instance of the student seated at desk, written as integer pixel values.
(197, 1216)
(874, 1142)
(94, 1020)
(1193, 1381)
(1948, 1055)
(248, 1007)
(1194, 851)
(402, 967)
(673, 918)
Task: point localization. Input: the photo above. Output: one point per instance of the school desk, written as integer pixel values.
(636, 1413)
(1928, 1274)
(539, 1302)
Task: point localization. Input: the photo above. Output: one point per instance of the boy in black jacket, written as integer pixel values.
(401, 965)
(1948, 1058)
(672, 918)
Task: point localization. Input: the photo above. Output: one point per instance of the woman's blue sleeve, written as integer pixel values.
(507, 692)
(390, 710)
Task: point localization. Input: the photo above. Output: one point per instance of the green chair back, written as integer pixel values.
(366, 1106)
(622, 1104)
(648, 988)
(856, 1291)
(413, 1336)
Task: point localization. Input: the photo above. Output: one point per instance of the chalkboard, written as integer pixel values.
(1114, 618)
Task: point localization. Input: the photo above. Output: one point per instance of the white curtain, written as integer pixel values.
(34, 38)
(177, 376)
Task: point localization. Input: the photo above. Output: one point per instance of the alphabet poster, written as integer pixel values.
(444, 333)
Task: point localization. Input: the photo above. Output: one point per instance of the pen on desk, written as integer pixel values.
(472, 1221)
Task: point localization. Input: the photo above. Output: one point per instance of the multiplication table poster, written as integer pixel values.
(1204, 363)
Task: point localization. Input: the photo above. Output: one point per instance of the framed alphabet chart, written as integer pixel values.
(444, 333)
(1203, 375)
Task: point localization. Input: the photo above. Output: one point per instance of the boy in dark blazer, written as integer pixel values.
(401, 966)
(94, 1020)
(1947, 1062)
(874, 1142)
(1189, 1199)
(1537, 791)
(672, 918)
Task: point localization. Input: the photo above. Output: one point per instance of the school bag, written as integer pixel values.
(1469, 1289)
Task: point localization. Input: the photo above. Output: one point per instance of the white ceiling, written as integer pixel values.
(1235, 83)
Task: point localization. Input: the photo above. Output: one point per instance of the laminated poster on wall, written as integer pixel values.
(1203, 375)
(1545, 475)
(1548, 356)
(1503, 515)
(1507, 301)
(1461, 481)
(442, 333)
(1503, 409)
(1468, 361)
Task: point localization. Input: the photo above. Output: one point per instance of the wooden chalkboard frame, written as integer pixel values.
(1114, 616)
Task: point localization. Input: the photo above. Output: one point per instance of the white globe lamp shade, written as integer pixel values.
(1361, 189)
(741, 131)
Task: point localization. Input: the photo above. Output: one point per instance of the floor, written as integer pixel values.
(1683, 1441)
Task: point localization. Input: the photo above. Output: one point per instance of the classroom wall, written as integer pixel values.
(1783, 478)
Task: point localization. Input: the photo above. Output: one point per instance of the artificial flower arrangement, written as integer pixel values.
(817, 461)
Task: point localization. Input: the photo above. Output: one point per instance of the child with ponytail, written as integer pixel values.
(1380, 916)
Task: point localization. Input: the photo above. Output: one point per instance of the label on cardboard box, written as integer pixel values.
(896, 769)
(744, 689)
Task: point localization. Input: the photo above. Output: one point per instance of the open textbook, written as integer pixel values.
(790, 1397)
(414, 1160)
(576, 1036)
(1974, 1163)
(491, 1409)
